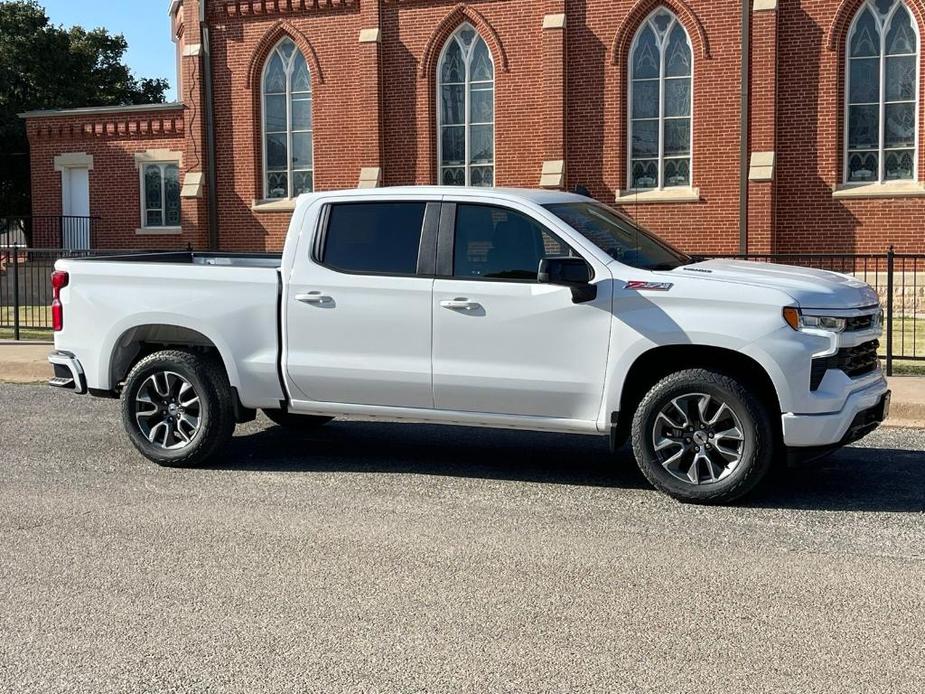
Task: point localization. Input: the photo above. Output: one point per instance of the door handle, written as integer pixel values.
(460, 305)
(314, 298)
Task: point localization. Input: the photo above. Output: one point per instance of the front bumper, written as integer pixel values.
(863, 412)
(69, 374)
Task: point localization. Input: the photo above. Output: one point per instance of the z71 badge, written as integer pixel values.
(638, 286)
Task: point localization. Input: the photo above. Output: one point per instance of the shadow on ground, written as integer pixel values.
(854, 479)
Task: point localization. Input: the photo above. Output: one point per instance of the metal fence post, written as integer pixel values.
(15, 258)
(890, 266)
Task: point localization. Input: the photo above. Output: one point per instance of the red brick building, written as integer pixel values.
(812, 142)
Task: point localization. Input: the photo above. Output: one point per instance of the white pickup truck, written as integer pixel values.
(482, 307)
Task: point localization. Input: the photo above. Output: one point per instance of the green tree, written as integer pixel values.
(44, 66)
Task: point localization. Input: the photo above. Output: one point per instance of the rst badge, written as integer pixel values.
(639, 286)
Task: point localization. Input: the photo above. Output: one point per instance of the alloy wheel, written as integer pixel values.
(168, 410)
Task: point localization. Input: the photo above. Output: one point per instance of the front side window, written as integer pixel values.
(498, 243)
(466, 111)
(661, 90)
(374, 238)
(160, 194)
(882, 93)
(618, 236)
(287, 123)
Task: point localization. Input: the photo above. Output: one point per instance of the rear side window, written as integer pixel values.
(380, 238)
(501, 244)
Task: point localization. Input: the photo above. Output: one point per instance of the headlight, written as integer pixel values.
(797, 320)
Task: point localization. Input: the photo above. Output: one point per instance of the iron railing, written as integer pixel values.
(898, 278)
(49, 231)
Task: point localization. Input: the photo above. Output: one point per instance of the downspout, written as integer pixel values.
(208, 112)
(745, 118)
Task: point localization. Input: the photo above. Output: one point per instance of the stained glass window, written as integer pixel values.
(882, 93)
(466, 113)
(661, 86)
(160, 185)
(287, 123)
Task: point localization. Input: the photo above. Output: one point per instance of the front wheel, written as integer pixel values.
(702, 437)
(177, 407)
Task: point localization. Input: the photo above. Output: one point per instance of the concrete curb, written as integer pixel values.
(27, 362)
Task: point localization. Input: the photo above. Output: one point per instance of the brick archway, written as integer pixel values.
(268, 42)
(844, 15)
(461, 13)
(642, 9)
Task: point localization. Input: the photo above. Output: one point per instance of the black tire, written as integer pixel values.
(755, 448)
(296, 422)
(215, 408)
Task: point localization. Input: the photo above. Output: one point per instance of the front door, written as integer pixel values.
(358, 318)
(504, 343)
(75, 205)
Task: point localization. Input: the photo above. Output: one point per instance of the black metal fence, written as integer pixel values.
(899, 279)
(68, 232)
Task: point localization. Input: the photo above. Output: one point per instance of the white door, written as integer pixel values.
(358, 317)
(505, 344)
(75, 205)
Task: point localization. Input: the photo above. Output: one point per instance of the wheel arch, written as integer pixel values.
(136, 342)
(653, 365)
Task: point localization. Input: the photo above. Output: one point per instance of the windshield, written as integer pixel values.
(618, 236)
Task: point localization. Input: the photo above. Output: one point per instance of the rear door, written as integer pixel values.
(358, 305)
(503, 342)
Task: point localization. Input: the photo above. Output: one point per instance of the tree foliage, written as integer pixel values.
(43, 66)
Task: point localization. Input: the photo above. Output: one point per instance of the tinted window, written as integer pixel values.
(495, 243)
(618, 236)
(381, 238)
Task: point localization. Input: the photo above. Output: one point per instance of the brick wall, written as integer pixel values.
(115, 189)
(559, 94)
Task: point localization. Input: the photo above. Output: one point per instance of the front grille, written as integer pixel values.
(857, 324)
(854, 361)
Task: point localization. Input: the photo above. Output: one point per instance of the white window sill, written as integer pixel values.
(668, 195)
(159, 231)
(280, 205)
(891, 189)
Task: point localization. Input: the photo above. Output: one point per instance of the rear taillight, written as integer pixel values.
(59, 281)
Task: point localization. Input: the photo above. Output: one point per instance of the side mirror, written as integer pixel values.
(570, 272)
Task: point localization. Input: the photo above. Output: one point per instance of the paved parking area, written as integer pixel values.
(375, 557)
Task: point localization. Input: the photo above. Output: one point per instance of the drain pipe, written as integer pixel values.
(745, 119)
(208, 112)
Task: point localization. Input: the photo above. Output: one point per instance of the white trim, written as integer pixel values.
(666, 195)
(761, 167)
(73, 160)
(890, 189)
(884, 26)
(159, 231)
(192, 49)
(159, 156)
(662, 45)
(764, 5)
(371, 35)
(101, 110)
(274, 205)
(467, 116)
(289, 130)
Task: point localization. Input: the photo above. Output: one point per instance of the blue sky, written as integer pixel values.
(144, 23)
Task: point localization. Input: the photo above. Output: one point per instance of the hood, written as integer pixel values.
(809, 287)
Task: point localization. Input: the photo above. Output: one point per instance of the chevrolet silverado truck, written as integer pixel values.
(517, 309)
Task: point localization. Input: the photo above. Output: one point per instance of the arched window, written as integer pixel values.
(466, 110)
(661, 69)
(882, 94)
(287, 123)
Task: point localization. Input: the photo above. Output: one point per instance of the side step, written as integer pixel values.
(62, 382)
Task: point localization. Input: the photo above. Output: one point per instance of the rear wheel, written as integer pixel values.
(702, 437)
(288, 420)
(177, 407)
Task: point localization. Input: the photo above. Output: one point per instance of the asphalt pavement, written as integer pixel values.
(377, 557)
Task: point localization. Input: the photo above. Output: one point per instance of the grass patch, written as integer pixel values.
(34, 323)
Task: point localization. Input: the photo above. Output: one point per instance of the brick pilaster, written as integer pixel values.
(553, 173)
(369, 118)
(763, 127)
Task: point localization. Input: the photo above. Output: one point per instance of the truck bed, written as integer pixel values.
(260, 260)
